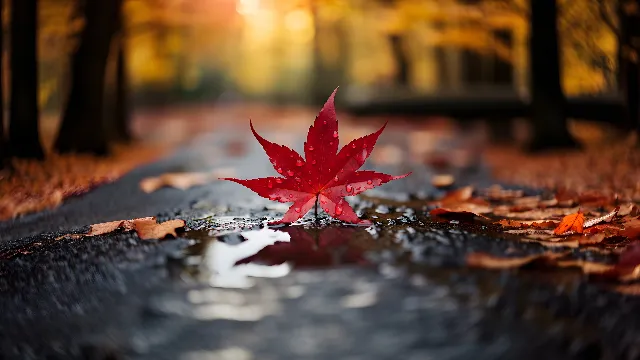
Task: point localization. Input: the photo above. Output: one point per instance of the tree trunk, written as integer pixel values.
(82, 128)
(629, 59)
(400, 59)
(121, 110)
(3, 144)
(23, 119)
(548, 103)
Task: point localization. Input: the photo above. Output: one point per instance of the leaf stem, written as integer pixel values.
(316, 207)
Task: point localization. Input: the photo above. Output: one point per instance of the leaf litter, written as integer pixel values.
(567, 229)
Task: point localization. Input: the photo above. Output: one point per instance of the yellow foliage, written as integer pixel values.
(261, 45)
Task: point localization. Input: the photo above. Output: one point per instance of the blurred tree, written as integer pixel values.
(122, 107)
(3, 144)
(587, 47)
(547, 99)
(82, 128)
(330, 46)
(627, 31)
(396, 39)
(24, 136)
(121, 110)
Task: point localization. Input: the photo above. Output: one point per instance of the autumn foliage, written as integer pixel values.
(34, 186)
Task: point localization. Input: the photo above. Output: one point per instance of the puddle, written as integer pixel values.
(238, 251)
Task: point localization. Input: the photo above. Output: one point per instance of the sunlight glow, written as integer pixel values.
(248, 7)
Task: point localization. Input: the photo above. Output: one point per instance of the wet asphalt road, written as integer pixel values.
(402, 294)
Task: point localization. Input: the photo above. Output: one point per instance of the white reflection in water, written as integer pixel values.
(220, 259)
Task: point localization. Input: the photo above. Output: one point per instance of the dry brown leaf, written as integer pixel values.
(548, 203)
(604, 218)
(530, 224)
(182, 181)
(103, 228)
(546, 213)
(496, 192)
(460, 215)
(631, 229)
(456, 196)
(572, 222)
(442, 180)
(528, 201)
(628, 209)
(511, 223)
(148, 228)
(593, 239)
(607, 230)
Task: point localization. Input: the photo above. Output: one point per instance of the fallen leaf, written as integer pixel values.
(456, 196)
(148, 228)
(466, 216)
(324, 175)
(572, 222)
(593, 239)
(545, 213)
(628, 209)
(532, 224)
(631, 229)
(182, 181)
(606, 229)
(443, 180)
(604, 218)
(497, 192)
(527, 202)
(104, 228)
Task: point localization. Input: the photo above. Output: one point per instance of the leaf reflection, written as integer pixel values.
(330, 246)
(220, 259)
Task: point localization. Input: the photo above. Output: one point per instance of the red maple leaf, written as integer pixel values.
(325, 175)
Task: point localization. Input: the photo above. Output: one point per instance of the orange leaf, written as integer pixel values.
(148, 228)
(104, 228)
(571, 222)
(456, 196)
